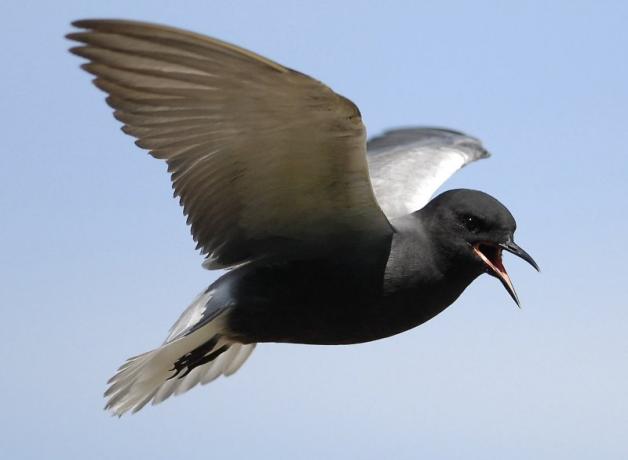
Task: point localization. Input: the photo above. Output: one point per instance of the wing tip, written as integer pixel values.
(408, 135)
(83, 23)
(96, 23)
(481, 153)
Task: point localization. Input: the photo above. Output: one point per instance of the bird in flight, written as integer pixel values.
(326, 239)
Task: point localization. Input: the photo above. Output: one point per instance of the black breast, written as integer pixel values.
(326, 300)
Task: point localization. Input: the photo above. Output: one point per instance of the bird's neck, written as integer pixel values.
(422, 277)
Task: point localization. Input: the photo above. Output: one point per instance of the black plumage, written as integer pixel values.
(328, 239)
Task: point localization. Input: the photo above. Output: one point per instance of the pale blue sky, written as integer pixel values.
(96, 261)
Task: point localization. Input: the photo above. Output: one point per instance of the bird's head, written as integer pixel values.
(473, 228)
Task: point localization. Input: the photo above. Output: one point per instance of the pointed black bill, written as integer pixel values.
(505, 279)
(516, 250)
(492, 259)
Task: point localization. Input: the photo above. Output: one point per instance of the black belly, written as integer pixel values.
(322, 302)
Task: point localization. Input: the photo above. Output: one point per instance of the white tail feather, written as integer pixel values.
(151, 375)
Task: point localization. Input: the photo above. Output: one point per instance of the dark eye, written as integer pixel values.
(472, 223)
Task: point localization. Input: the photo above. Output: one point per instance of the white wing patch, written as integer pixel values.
(397, 171)
(408, 165)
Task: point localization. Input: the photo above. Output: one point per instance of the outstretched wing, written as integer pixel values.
(263, 158)
(408, 165)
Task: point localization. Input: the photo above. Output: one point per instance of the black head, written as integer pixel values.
(472, 229)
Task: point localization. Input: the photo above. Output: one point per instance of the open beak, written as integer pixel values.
(491, 255)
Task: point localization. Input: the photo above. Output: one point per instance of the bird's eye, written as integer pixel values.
(472, 223)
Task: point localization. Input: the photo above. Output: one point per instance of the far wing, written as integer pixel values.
(408, 165)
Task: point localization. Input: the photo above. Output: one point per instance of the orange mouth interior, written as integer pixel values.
(492, 257)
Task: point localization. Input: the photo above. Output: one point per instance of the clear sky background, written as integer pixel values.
(96, 261)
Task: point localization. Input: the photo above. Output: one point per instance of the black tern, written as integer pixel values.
(327, 239)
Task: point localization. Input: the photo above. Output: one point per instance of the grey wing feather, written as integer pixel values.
(408, 165)
(264, 159)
